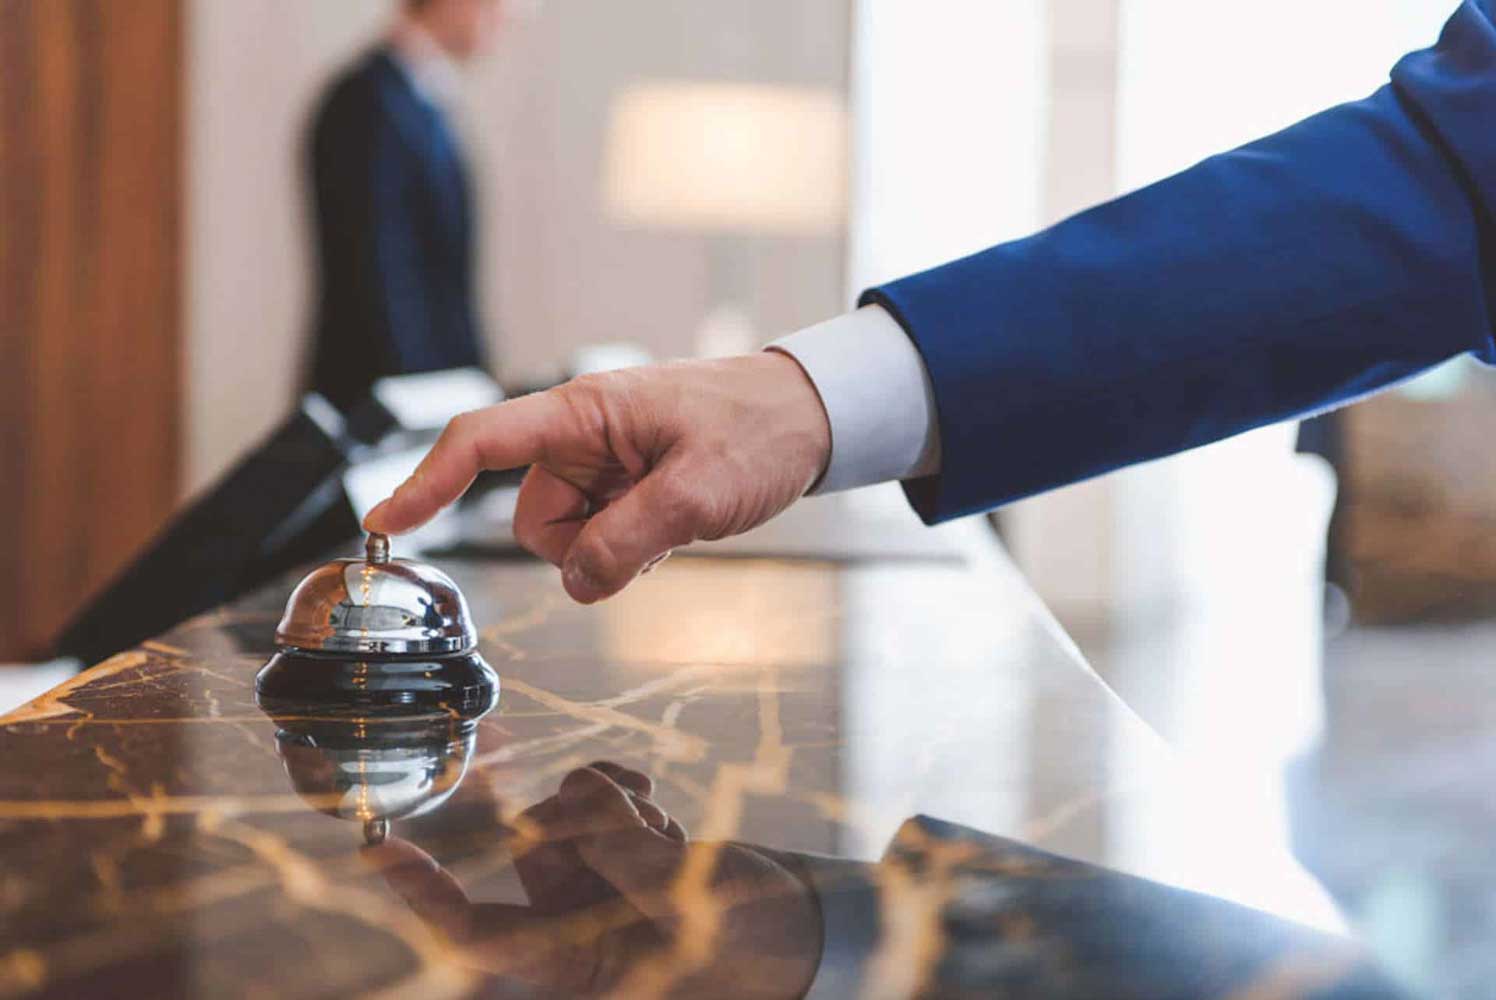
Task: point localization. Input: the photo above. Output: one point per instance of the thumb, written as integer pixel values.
(661, 512)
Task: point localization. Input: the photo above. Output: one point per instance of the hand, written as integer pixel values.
(623, 903)
(628, 465)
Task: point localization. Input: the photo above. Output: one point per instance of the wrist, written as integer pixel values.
(809, 412)
(877, 394)
(814, 923)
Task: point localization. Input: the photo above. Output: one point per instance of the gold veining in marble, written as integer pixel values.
(150, 839)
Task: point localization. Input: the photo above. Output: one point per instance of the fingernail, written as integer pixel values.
(578, 582)
(371, 519)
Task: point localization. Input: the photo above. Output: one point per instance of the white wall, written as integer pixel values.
(564, 276)
(1064, 539)
(949, 101)
(253, 70)
(555, 275)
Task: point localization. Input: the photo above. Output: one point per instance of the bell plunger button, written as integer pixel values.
(377, 548)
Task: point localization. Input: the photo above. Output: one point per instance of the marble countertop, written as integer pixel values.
(151, 835)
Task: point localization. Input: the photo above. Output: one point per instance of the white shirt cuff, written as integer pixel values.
(877, 395)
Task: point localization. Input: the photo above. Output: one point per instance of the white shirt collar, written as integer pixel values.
(434, 74)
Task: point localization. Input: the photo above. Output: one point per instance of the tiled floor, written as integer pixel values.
(1396, 811)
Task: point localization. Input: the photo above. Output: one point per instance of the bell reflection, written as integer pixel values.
(372, 769)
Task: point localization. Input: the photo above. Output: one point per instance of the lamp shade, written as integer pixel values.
(727, 157)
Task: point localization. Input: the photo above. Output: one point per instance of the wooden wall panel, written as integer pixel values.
(90, 387)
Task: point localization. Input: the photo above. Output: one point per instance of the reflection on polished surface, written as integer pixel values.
(802, 719)
(621, 901)
(374, 769)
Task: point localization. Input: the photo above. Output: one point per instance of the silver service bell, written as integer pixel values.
(378, 632)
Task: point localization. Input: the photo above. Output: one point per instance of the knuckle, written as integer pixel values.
(589, 389)
(461, 429)
(591, 381)
(582, 402)
(628, 404)
(621, 391)
(462, 424)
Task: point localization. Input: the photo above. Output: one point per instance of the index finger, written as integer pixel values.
(427, 888)
(506, 436)
(496, 937)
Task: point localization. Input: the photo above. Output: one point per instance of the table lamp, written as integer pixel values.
(732, 161)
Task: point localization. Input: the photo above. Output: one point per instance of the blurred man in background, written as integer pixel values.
(393, 206)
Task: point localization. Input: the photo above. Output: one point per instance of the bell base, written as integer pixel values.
(461, 683)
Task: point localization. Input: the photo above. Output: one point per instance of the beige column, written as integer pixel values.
(1063, 540)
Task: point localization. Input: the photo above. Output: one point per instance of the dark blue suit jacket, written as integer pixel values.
(394, 235)
(1291, 275)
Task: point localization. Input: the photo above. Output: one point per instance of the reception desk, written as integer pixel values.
(809, 689)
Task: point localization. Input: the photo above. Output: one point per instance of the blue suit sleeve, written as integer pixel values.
(1295, 274)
